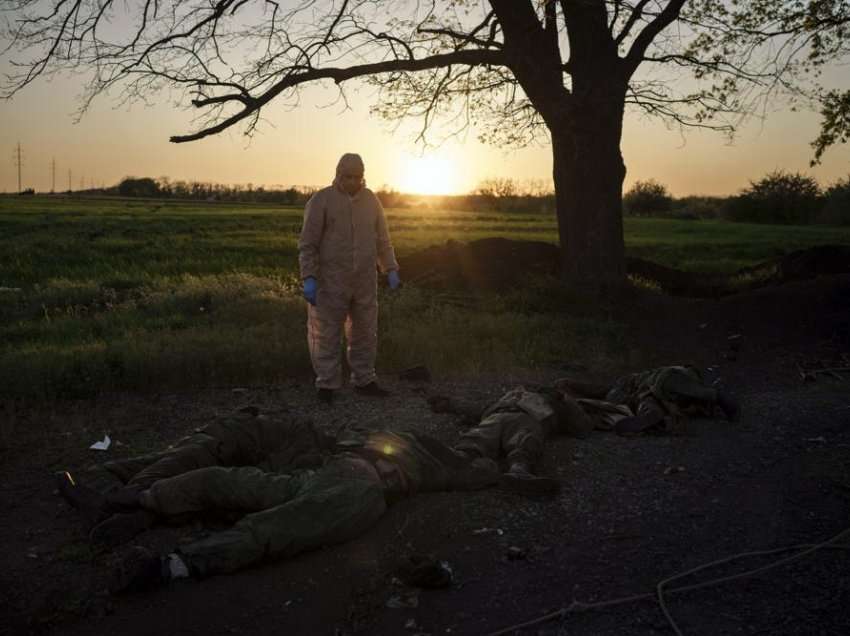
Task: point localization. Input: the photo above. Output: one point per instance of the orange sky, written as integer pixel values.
(301, 148)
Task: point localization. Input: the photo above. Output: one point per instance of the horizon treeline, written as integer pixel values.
(779, 197)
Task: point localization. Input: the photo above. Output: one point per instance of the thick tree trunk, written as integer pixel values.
(588, 172)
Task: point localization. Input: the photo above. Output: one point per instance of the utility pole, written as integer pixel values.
(53, 176)
(19, 164)
(69, 181)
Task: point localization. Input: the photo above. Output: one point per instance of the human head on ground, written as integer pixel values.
(349, 173)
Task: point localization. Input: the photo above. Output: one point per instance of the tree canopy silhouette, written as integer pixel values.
(560, 71)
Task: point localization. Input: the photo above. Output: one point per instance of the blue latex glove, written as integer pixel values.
(310, 290)
(393, 279)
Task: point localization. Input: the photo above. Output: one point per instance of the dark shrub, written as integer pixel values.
(836, 208)
(647, 198)
(780, 197)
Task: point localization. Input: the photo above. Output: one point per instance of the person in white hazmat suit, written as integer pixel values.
(343, 238)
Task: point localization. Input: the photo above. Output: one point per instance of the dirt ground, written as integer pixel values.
(632, 511)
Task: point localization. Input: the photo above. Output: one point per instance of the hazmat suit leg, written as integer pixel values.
(361, 334)
(333, 505)
(324, 332)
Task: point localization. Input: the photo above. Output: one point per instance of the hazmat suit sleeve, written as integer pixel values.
(385, 251)
(311, 237)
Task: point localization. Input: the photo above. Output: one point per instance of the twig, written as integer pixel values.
(833, 371)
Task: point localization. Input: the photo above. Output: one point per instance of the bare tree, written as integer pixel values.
(560, 71)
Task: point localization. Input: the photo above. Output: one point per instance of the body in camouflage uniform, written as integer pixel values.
(243, 466)
(289, 513)
(240, 439)
(645, 400)
(516, 425)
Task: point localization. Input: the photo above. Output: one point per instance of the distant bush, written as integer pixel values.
(697, 207)
(836, 207)
(392, 198)
(647, 198)
(780, 197)
(143, 187)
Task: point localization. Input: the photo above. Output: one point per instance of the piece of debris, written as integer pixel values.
(102, 445)
(820, 438)
(515, 553)
(410, 624)
(735, 341)
(497, 531)
(674, 469)
(425, 571)
(407, 600)
(418, 373)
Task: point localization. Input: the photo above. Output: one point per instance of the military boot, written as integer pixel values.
(139, 571)
(90, 503)
(729, 405)
(520, 479)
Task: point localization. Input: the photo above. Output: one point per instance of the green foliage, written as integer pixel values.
(698, 207)
(133, 187)
(780, 197)
(647, 198)
(835, 122)
(836, 208)
(108, 294)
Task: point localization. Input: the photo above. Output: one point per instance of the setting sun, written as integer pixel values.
(429, 175)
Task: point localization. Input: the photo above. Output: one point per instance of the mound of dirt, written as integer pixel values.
(492, 264)
(498, 264)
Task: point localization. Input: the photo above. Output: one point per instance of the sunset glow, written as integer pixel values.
(429, 175)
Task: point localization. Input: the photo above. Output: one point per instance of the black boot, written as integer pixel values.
(372, 389)
(141, 570)
(90, 503)
(729, 405)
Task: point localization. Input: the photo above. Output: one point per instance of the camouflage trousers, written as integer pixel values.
(285, 513)
(512, 434)
(238, 440)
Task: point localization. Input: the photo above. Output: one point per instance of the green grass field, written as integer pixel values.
(121, 294)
